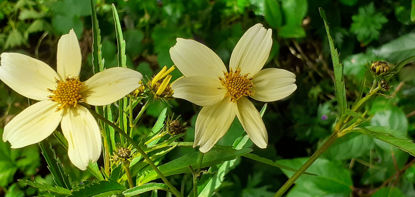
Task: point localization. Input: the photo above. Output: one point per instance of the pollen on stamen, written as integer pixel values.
(237, 85)
(67, 93)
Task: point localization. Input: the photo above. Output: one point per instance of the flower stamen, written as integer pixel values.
(237, 85)
(67, 93)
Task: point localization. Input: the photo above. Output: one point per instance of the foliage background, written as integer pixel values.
(363, 31)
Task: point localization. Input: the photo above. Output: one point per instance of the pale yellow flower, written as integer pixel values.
(58, 94)
(224, 94)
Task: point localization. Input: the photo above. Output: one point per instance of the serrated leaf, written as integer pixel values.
(338, 70)
(54, 166)
(389, 137)
(273, 13)
(120, 39)
(97, 63)
(98, 188)
(45, 187)
(367, 24)
(145, 188)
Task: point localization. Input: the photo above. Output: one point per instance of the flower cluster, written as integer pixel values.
(223, 93)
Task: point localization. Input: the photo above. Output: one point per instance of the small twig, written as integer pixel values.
(412, 113)
(396, 175)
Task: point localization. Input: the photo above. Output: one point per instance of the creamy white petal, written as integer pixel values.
(252, 122)
(212, 123)
(69, 58)
(203, 91)
(33, 124)
(195, 59)
(110, 85)
(27, 76)
(83, 135)
(273, 84)
(252, 50)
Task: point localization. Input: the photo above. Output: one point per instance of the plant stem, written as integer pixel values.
(140, 150)
(307, 164)
(127, 171)
(143, 109)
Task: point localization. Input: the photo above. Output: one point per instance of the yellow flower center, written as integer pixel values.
(237, 85)
(67, 93)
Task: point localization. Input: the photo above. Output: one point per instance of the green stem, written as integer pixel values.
(127, 171)
(140, 150)
(143, 109)
(307, 164)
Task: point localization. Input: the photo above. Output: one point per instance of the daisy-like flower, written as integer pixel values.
(224, 94)
(59, 94)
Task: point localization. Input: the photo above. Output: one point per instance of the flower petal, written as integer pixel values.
(110, 85)
(252, 50)
(83, 135)
(69, 58)
(203, 91)
(195, 59)
(27, 76)
(273, 84)
(212, 123)
(33, 124)
(252, 122)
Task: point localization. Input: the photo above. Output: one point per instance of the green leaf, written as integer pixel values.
(367, 24)
(14, 39)
(145, 188)
(348, 2)
(98, 188)
(338, 70)
(350, 146)
(389, 192)
(120, 39)
(390, 137)
(273, 13)
(30, 14)
(54, 166)
(291, 31)
(389, 116)
(63, 23)
(294, 11)
(133, 38)
(330, 178)
(160, 121)
(45, 187)
(357, 65)
(38, 25)
(192, 158)
(397, 50)
(14, 191)
(413, 11)
(97, 63)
